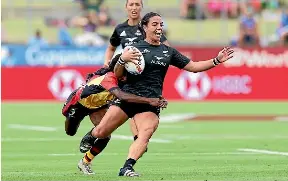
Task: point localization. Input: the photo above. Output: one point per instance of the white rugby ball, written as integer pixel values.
(133, 68)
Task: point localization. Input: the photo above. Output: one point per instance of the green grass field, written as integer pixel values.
(193, 150)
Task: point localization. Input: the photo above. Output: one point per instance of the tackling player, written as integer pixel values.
(92, 99)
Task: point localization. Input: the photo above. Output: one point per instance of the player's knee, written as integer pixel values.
(71, 132)
(100, 132)
(71, 128)
(145, 134)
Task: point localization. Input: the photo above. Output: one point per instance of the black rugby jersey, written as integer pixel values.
(157, 61)
(126, 35)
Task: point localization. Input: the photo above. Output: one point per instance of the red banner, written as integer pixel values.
(253, 58)
(217, 84)
(228, 83)
(41, 83)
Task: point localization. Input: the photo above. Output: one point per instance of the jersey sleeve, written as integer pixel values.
(163, 38)
(179, 60)
(115, 39)
(109, 82)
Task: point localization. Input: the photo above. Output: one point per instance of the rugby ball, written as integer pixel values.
(132, 68)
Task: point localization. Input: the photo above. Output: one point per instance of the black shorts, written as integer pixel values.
(131, 109)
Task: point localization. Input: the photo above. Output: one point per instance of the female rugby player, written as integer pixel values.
(126, 34)
(148, 84)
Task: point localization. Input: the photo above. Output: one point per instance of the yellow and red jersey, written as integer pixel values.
(94, 94)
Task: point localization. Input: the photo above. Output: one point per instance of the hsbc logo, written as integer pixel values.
(197, 86)
(193, 85)
(63, 82)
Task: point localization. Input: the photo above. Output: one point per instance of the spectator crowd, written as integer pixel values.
(94, 14)
(246, 11)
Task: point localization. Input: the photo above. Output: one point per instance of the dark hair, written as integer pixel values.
(128, 0)
(104, 70)
(112, 64)
(145, 21)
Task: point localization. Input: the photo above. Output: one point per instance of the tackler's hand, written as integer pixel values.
(163, 102)
(89, 76)
(106, 65)
(154, 102)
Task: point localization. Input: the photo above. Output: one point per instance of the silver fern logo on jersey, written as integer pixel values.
(158, 58)
(145, 51)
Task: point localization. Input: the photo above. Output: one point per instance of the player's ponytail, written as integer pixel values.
(145, 21)
(113, 62)
(104, 70)
(110, 68)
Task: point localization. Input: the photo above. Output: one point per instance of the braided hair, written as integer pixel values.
(104, 70)
(145, 21)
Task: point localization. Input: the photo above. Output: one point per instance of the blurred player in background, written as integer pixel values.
(129, 32)
(92, 99)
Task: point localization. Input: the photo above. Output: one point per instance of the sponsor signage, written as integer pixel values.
(237, 83)
(22, 55)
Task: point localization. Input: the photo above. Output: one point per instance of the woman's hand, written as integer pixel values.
(130, 55)
(225, 54)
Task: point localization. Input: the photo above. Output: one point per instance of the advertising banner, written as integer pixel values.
(40, 83)
(237, 83)
(53, 55)
(228, 83)
(276, 57)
